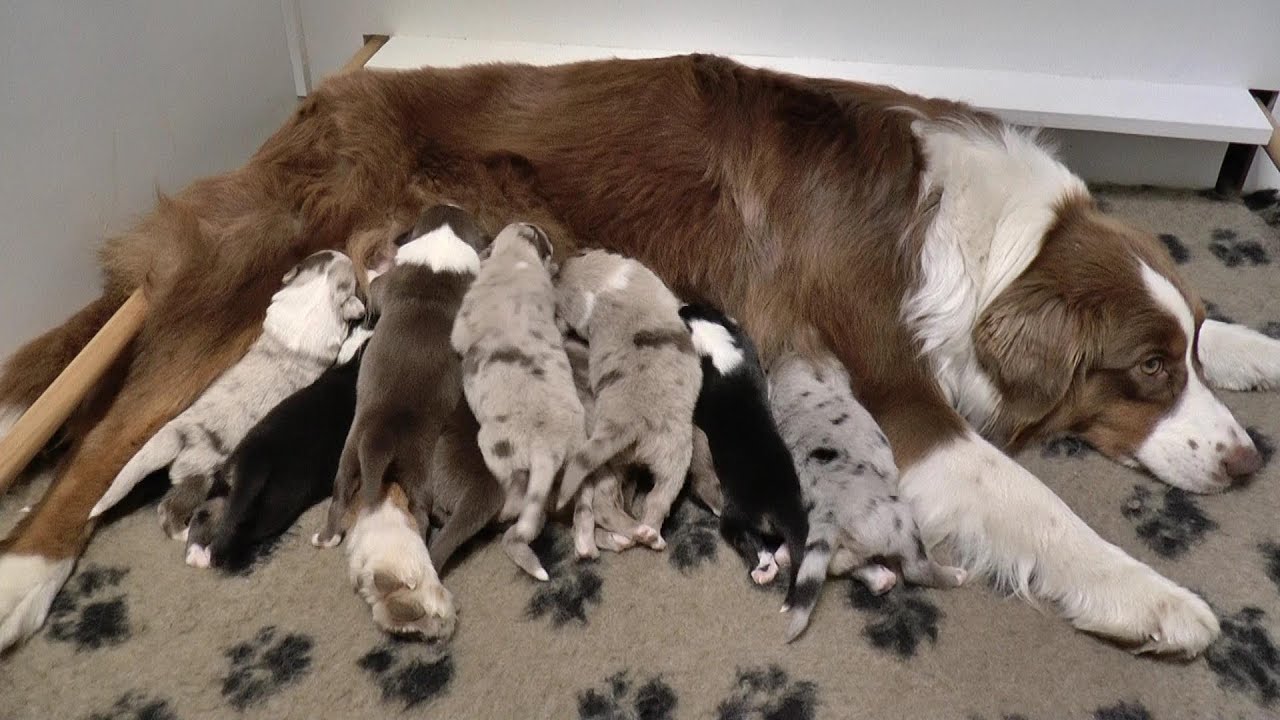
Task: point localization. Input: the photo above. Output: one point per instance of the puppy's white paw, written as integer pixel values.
(198, 556)
(28, 584)
(426, 612)
(782, 556)
(647, 535)
(878, 578)
(1141, 608)
(332, 541)
(766, 570)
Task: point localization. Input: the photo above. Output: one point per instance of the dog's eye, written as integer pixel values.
(1153, 365)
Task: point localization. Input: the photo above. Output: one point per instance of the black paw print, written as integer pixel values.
(768, 693)
(136, 706)
(574, 586)
(264, 666)
(621, 699)
(1174, 527)
(81, 615)
(1233, 252)
(692, 535)
(1272, 329)
(903, 618)
(413, 680)
(1263, 442)
(1177, 250)
(1213, 312)
(1266, 203)
(1068, 446)
(1271, 554)
(1123, 711)
(1245, 658)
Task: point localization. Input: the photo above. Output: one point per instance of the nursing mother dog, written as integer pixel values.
(972, 289)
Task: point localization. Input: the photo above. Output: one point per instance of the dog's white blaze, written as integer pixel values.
(714, 341)
(1006, 525)
(998, 193)
(1198, 417)
(356, 340)
(1235, 357)
(441, 250)
(28, 584)
(303, 315)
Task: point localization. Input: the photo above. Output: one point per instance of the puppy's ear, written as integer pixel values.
(1033, 345)
(538, 238)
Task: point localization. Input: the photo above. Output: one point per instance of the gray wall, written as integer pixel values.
(101, 103)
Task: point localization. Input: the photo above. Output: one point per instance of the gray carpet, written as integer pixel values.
(683, 634)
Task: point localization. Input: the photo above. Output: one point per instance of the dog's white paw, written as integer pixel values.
(28, 584)
(878, 578)
(766, 569)
(1142, 609)
(198, 556)
(332, 541)
(426, 611)
(647, 535)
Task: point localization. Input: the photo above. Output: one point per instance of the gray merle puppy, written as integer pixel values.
(849, 481)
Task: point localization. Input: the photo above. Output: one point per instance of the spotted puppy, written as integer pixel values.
(306, 324)
(759, 483)
(849, 481)
(410, 379)
(517, 380)
(644, 376)
(389, 566)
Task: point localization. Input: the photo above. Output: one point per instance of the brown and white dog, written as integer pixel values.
(974, 292)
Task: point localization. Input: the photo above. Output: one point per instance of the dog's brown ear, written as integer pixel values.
(1032, 344)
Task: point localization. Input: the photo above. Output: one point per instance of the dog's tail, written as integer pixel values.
(155, 454)
(597, 451)
(542, 475)
(794, 527)
(810, 574)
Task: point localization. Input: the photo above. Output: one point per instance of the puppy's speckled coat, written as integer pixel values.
(517, 380)
(850, 483)
(644, 375)
(306, 324)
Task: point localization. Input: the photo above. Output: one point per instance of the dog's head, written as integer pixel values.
(445, 238)
(1099, 336)
(525, 241)
(318, 301)
(717, 338)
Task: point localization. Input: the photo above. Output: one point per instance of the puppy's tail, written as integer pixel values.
(810, 576)
(154, 454)
(600, 449)
(542, 475)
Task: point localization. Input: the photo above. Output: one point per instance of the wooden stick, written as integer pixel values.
(372, 44)
(1272, 148)
(29, 435)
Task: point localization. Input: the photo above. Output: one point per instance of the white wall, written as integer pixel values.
(1230, 42)
(100, 104)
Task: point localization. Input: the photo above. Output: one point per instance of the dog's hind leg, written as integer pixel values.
(738, 531)
(522, 555)
(477, 507)
(584, 524)
(345, 486)
(669, 463)
(702, 474)
(607, 507)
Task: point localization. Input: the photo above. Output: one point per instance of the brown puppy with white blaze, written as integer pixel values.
(410, 378)
(939, 253)
(517, 380)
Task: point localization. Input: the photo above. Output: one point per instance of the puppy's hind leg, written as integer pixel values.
(478, 506)
(738, 531)
(345, 485)
(607, 506)
(584, 524)
(917, 567)
(669, 463)
(702, 474)
(522, 555)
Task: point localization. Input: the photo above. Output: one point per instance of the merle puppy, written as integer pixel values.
(758, 480)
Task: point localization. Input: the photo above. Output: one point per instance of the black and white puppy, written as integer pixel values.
(285, 465)
(758, 480)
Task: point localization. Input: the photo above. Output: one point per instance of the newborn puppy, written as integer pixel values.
(644, 377)
(517, 380)
(849, 481)
(282, 467)
(305, 327)
(761, 490)
(410, 379)
(388, 564)
(467, 496)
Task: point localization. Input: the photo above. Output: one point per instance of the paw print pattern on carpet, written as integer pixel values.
(1266, 203)
(901, 618)
(408, 672)
(1234, 252)
(89, 611)
(264, 666)
(1263, 442)
(693, 535)
(1245, 658)
(1271, 556)
(1172, 528)
(1123, 711)
(621, 699)
(136, 706)
(1177, 250)
(769, 694)
(1272, 329)
(1213, 312)
(1068, 446)
(574, 587)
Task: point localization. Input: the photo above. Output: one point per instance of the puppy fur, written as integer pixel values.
(644, 377)
(306, 324)
(517, 380)
(390, 568)
(283, 466)
(850, 484)
(467, 496)
(410, 379)
(759, 483)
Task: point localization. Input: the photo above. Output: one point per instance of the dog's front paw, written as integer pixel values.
(178, 505)
(28, 584)
(426, 612)
(1142, 609)
(324, 541)
(198, 556)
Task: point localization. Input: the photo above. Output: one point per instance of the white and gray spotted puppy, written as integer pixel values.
(644, 376)
(850, 481)
(517, 380)
(307, 321)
